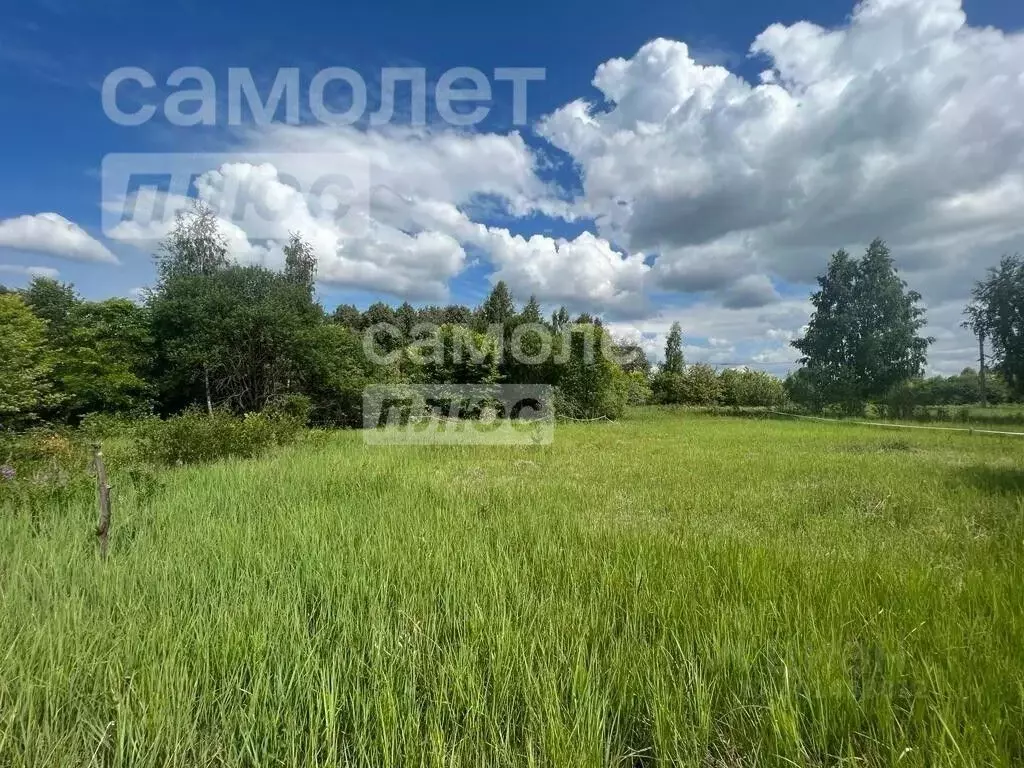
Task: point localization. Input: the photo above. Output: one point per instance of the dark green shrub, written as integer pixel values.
(195, 437)
(669, 388)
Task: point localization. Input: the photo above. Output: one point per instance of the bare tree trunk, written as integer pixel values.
(981, 370)
(206, 381)
(103, 526)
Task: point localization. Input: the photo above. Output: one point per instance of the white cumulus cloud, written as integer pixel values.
(906, 123)
(52, 234)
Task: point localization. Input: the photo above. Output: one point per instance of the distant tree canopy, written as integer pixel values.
(863, 337)
(245, 338)
(195, 246)
(997, 313)
(674, 350)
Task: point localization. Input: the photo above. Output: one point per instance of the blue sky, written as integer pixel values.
(669, 206)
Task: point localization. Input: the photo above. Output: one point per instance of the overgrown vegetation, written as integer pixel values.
(667, 589)
(212, 335)
(661, 590)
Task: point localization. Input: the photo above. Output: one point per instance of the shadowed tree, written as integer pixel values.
(53, 302)
(999, 313)
(862, 339)
(348, 316)
(531, 312)
(560, 319)
(498, 308)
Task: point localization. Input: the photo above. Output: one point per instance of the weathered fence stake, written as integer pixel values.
(103, 527)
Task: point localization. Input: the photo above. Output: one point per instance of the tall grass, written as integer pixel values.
(669, 589)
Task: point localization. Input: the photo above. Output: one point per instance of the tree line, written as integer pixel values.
(215, 335)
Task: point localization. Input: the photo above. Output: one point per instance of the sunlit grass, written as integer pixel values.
(667, 589)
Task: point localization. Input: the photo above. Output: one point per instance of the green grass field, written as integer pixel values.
(669, 589)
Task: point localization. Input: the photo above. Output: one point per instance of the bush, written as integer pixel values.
(293, 406)
(801, 390)
(337, 372)
(755, 389)
(44, 473)
(669, 388)
(195, 437)
(701, 386)
(905, 399)
(639, 389)
(96, 427)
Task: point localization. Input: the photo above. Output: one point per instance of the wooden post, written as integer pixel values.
(103, 526)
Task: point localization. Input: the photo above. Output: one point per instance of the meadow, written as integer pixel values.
(667, 589)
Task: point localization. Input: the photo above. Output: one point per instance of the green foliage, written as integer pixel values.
(195, 437)
(913, 398)
(560, 318)
(903, 400)
(106, 360)
(498, 308)
(589, 385)
(26, 364)
(632, 358)
(862, 339)
(455, 354)
(964, 389)
(531, 312)
(674, 350)
(701, 385)
(529, 356)
(381, 323)
(669, 388)
(45, 475)
(998, 314)
(300, 263)
(100, 427)
(195, 247)
(406, 318)
(801, 390)
(695, 385)
(348, 316)
(242, 328)
(755, 389)
(639, 391)
(336, 370)
(53, 302)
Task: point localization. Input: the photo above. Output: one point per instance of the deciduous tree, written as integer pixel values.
(863, 337)
(25, 364)
(999, 302)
